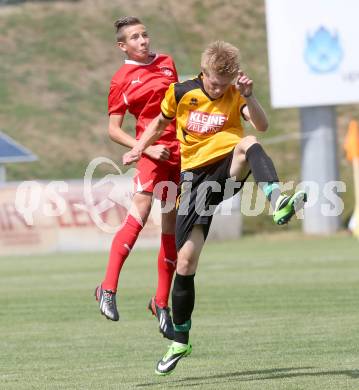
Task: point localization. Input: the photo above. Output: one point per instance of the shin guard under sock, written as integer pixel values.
(166, 265)
(121, 247)
(183, 297)
(264, 172)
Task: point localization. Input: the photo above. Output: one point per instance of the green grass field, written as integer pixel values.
(272, 312)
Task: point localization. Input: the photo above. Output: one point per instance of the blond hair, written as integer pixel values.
(220, 58)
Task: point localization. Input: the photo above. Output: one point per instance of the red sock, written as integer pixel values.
(167, 259)
(121, 247)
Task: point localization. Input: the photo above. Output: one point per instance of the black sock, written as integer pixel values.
(264, 172)
(183, 296)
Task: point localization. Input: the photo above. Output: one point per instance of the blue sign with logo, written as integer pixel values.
(323, 52)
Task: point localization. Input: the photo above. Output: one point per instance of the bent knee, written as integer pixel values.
(245, 144)
(248, 141)
(141, 206)
(185, 266)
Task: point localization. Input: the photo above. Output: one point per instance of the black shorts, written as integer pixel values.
(200, 191)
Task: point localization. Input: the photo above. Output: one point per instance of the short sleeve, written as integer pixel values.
(117, 103)
(169, 104)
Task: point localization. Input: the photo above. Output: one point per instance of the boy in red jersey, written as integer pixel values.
(139, 87)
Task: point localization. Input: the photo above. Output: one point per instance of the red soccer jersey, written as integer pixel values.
(140, 88)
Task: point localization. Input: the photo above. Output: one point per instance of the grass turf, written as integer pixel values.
(271, 313)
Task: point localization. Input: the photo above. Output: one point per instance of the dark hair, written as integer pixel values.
(124, 22)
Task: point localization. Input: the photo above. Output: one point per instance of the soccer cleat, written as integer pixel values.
(169, 362)
(287, 206)
(107, 303)
(164, 318)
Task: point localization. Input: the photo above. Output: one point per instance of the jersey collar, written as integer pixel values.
(130, 62)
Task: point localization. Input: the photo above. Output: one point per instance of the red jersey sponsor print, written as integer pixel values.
(139, 88)
(205, 123)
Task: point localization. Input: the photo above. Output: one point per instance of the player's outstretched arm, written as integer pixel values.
(253, 111)
(152, 133)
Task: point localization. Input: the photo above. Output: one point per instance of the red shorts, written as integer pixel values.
(158, 177)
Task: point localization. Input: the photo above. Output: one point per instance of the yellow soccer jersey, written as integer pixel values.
(207, 129)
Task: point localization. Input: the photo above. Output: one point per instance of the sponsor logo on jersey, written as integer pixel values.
(205, 123)
(166, 71)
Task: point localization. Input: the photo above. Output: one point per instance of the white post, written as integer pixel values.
(319, 165)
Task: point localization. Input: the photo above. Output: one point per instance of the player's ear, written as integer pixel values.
(122, 46)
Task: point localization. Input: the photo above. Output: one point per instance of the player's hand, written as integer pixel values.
(130, 157)
(158, 152)
(244, 84)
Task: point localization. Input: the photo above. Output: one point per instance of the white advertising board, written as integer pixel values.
(65, 222)
(313, 52)
(45, 217)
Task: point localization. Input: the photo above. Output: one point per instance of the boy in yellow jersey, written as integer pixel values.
(215, 155)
